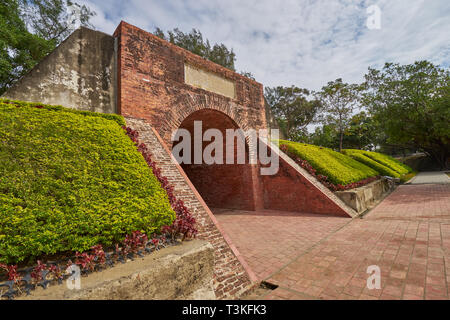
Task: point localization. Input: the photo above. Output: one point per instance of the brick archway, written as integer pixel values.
(220, 185)
(194, 103)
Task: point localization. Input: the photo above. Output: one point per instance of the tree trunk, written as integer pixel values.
(340, 140)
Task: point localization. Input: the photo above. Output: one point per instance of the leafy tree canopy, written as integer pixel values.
(339, 100)
(362, 132)
(412, 103)
(293, 109)
(195, 43)
(325, 136)
(30, 29)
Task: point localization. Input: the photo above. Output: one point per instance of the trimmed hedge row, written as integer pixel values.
(115, 117)
(384, 164)
(389, 162)
(70, 180)
(337, 167)
(383, 170)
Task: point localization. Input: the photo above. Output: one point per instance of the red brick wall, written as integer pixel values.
(165, 100)
(151, 90)
(221, 185)
(294, 189)
(290, 191)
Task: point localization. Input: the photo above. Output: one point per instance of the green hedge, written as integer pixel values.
(115, 117)
(339, 168)
(70, 180)
(383, 170)
(384, 164)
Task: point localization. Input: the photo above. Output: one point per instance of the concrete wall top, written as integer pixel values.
(79, 73)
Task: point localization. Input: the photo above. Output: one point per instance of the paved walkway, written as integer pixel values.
(268, 239)
(439, 177)
(317, 257)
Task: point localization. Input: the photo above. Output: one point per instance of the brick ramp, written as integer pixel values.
(232, 276)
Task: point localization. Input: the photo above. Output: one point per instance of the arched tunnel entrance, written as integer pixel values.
(222, 186)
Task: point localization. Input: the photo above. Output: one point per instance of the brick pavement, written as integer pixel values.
(407, 236)
(269, 239)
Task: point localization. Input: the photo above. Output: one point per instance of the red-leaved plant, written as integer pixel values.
(11, 272)
(85, 261)
(36, 274)
(135, 242)
(184, 224)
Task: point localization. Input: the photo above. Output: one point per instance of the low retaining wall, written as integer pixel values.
(179, 272)
(363, 198)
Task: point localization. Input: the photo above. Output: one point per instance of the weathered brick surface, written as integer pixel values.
(294, 189)
(152, 86)
(230, 277)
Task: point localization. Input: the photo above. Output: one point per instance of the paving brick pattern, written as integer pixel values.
(269, 239)
(407, 236)
(426, 202)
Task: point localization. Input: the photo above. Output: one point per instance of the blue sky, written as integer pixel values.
(304, 42)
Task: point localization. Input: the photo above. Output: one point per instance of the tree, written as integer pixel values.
(412, 102)
(325, 136)
(292, 110)
(29, 30)
(362, 132)
(194, 42)
(339, 100)
(19, 49)
(247, 74)
(54, 20)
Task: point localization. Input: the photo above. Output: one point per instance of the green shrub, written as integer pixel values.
(115, 117)
(339, 168)
(389, 162)
(70, 180)
(384, 164)
(383, 170)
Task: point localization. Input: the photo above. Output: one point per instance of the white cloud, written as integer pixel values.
(306, 43)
